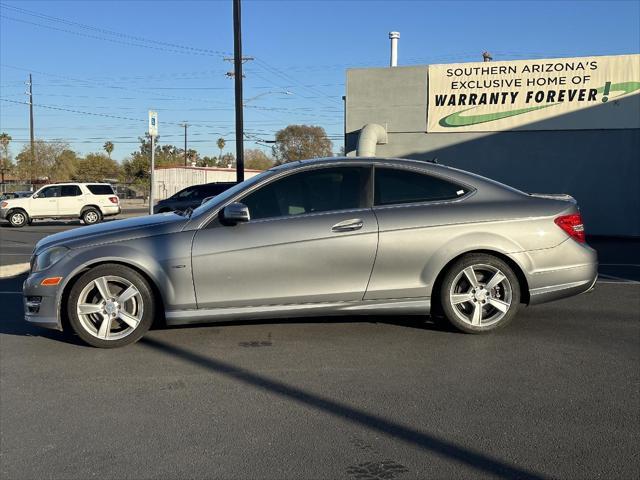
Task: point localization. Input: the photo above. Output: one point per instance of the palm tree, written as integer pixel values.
(221, 143)
(5, 138)
(108, 147)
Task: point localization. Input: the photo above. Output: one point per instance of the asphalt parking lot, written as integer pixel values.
(554, 395)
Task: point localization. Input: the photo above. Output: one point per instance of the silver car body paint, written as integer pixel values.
(316, 264)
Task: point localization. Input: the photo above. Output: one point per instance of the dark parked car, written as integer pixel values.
(191, 197)
(10, 195)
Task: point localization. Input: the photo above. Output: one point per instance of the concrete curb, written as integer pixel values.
(13, 270)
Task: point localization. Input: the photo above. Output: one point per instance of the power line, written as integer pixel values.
(106, 115)
(173, 47)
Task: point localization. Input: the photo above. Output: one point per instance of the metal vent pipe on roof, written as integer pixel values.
(394, 36)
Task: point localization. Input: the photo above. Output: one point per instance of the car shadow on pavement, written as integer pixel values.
(426, 441)
(407, 321)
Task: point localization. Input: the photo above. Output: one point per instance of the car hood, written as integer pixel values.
(16, 202)
(114, 231)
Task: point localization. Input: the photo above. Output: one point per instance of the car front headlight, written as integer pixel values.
(48, 258)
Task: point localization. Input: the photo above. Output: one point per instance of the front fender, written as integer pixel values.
(165, 260)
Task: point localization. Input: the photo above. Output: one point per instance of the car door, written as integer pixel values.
(415, 211)
(45, 202)
(312, 238)
(71, 200)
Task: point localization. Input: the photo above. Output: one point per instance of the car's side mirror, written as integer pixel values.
(235, 213)
(206, 199)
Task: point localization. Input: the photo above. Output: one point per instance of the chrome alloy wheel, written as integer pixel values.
(110, 308)
(18, 219)
(481, 295)
(91, 217)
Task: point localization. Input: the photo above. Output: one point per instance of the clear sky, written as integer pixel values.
(122, 58)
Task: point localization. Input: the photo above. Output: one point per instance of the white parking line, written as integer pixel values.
(13, 270)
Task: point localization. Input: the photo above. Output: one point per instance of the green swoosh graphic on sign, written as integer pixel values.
(458, 120)
(626, 87)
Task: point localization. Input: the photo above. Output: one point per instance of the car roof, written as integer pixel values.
(452, 173)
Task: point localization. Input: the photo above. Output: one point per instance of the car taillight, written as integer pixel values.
(4, 204)
(113, 199)
(572, 224)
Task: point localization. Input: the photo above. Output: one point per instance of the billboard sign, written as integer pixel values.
(556, 94)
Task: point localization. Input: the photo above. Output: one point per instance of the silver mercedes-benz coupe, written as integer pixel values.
(339, 236)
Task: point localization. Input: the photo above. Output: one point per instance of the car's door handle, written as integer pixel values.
(348, 225)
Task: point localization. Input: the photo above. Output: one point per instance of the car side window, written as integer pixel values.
(49, 192)
(186, 193)
(321, 190)
(396, 186)
(70, 191)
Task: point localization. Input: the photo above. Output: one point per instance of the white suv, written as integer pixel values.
(90, 202)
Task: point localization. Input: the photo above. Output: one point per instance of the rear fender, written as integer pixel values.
(465, 243)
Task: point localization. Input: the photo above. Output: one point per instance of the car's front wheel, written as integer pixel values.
(110, 306)
(18, 218)
(479, 293)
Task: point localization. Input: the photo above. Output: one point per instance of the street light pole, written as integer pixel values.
(151, 177)
(237, 63)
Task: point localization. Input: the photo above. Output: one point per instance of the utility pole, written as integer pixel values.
(237, 61)
(185, 125)
(33, 144)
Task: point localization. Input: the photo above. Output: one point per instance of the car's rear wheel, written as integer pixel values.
(110, 306)
(91, 216)
(479, 293)
(18, 218)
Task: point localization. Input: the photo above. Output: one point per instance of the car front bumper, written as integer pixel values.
(41, 303)
(3, 213)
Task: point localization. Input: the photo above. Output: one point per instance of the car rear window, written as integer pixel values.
(101, 189)
(396, 186)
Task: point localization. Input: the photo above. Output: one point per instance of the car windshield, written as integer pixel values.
(224, 196)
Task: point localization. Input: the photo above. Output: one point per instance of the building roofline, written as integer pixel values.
(208, 169)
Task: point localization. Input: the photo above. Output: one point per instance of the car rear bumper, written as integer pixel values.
(3, 213)
(556, 292)
(110, 211)
(568, 269)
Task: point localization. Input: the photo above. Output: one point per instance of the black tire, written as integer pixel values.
(145, 303)
(18, 218)
(91, 216)
(505, 295)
